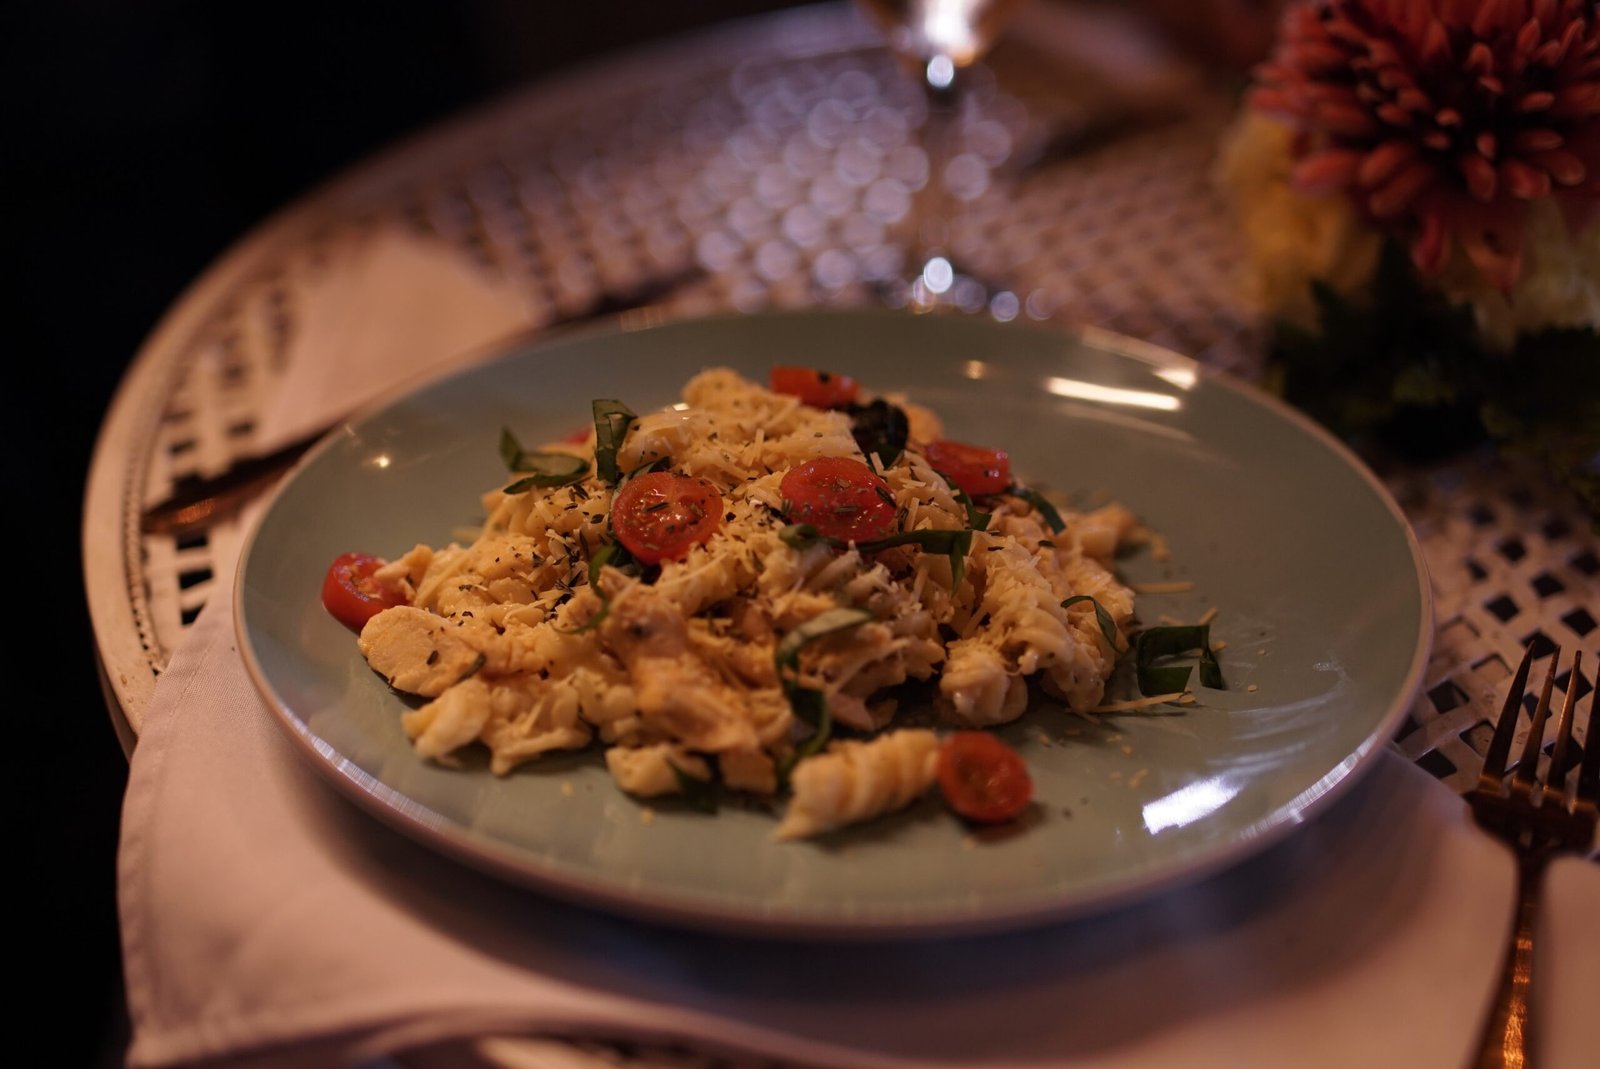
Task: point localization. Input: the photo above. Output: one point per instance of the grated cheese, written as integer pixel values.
(1142, 703)
(1175, 586)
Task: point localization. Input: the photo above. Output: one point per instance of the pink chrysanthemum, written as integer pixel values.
(1443, 119)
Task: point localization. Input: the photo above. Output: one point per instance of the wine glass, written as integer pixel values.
(941, 40)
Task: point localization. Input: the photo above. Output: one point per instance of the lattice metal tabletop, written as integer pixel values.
(769, 154)
(776, 156)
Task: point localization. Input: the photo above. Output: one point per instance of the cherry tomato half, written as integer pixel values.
(977, 469)
(819, 389)
(982, 778)
(661, 515)
(841, 497)
(352, 595)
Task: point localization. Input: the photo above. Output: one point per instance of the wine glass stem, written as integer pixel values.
(935, 208)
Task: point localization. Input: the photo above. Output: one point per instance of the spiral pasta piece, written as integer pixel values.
(856, 781)
(533, 634)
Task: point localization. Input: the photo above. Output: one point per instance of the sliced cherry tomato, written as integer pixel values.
(982, 778)
(661, 515)
(841, 497)
(977, 469)
(352, 595)
(817, 388)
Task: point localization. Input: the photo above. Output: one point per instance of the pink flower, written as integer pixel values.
(1444, 119)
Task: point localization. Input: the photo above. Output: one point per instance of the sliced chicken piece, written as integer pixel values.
(417, 651)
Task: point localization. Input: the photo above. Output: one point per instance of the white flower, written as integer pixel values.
(1559, 285)
(1291, 237)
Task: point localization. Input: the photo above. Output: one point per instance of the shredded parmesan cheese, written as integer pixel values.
(1135, 704)
(527, 640)
(1175, 586)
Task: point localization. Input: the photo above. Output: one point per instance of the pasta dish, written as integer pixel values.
(733, 594)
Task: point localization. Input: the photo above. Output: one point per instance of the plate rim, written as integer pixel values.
(401, 813)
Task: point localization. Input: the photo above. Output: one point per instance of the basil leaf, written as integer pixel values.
(472, 669)
(955, 544)
(809, 704)
(802, 536)
(1108, 626)
(601, 558)
(510, 449)
(823, 624)
(977, 519)
(701, 795)
(960, 546)
(1158, 642)
(610, 553)
(812, 707)
(932, 541)
(588, 625)
(1153, 681)
(548, 469)
(658, 464)
(880, 428)
(611, 422)
(1037, 500)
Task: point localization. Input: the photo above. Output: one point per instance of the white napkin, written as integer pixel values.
(381, 313)
(268, 922)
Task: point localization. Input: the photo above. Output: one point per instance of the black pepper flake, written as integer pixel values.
(433, 657)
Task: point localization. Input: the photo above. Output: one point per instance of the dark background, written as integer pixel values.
(141, 140)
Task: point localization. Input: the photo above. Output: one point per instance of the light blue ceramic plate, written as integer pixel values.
(1319, 588)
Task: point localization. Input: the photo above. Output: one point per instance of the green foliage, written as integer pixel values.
(1406, 370)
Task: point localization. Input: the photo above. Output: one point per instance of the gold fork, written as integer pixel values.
(1538, 823)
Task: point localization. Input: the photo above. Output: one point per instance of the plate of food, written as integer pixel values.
(844, 623)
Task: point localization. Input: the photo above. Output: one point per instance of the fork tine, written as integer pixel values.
(1589, 774)
(1529, 762)
(1494, 762)
(1555, 781)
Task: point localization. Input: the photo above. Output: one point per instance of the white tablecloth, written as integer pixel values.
(266, 921)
